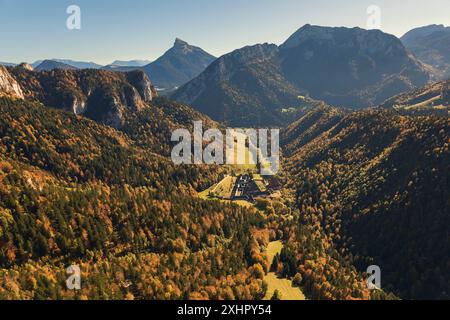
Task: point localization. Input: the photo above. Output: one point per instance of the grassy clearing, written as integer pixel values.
(224, 188)
(205, 195)
(273, 249)
(284, 286)
(221, 190)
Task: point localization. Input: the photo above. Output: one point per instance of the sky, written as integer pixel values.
(144, 29)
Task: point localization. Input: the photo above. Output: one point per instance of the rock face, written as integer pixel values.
(431, 45)
(142, 83)
(178, 65)
(8, 85)
(104, 96)
(346, 67)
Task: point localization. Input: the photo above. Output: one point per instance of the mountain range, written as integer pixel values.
(345, 67)
(177, 66)
(126, 66)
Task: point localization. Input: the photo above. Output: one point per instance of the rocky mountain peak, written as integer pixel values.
(183, 48)
(178, 65)
(307, 32)
(180, 43)
(349, 67)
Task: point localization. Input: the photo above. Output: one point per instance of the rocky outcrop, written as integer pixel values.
(143, 84)
(104, 96)
(26, 66)
(8, 85)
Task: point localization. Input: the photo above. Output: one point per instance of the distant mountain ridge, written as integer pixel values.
(341, 66)
(8, 64)
(425, 31)
(431, 45)
(126, 66)
(48, 65)
(131, 63)
(73, 63)
(178, 65)
(117, 68)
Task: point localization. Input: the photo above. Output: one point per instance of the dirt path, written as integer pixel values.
(284, 286)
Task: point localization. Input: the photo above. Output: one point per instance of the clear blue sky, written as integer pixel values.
(144, 29)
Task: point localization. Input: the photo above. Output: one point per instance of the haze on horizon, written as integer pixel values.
(144, 29)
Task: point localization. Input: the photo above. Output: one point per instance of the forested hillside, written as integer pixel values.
(75, 192)
(374, 185)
